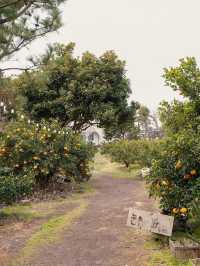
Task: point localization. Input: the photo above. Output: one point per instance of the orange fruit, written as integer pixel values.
(193, 172)
(178, 165)
(183, 210)
(164, 183)
(175, 210)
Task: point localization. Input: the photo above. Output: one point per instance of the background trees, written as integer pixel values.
(147, 123)
(130, 152)
(124, 124)
(79, 92)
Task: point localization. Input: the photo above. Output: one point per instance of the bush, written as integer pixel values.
(130, 152)
(148, 150)
(12, 188)
(40, 154)
(124, 151)
(174, 176)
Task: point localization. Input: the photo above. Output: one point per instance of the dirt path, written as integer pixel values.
(100, 237)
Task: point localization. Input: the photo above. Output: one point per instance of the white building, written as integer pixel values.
(94, 135)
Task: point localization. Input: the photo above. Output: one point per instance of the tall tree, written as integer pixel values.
(22, 21)
(79, 92)
(143, 119)
(124, 125)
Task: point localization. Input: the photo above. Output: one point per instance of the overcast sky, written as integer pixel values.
(149, 35)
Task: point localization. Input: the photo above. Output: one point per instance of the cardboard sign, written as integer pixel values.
(151, 222)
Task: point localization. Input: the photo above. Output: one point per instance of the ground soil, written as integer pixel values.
(100, 237)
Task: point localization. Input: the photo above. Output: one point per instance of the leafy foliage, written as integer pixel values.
(79, 92)
(22, 21)
(124, 125)
(174, 176)
(13, 187)
(123, 151)
(130, 152)
(40, 154)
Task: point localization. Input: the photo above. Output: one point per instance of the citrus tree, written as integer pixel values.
(175, 174)
(130, 152)
(123, 151)
(38, 155)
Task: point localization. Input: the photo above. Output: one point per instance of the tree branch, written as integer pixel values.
(16, 68)
(10, 4)
(25, 42)
(6, 20)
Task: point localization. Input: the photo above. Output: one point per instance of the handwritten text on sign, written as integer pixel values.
(149, 221)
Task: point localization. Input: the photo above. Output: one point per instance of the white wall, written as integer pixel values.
(98, 135)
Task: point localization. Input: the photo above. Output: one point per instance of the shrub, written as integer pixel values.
(130, 152)
(148, 150)
(174, 176)
(40, 154)
(12, 187)
(124, 151)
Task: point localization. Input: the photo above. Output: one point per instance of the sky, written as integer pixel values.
(149, 35)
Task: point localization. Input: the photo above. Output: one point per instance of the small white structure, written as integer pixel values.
(145, 172)
(94, 135)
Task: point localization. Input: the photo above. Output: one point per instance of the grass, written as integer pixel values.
(38, 210)
(103, 165)
(164, 257)
(84, 189)
(161, 254)
(19, 212)
(50, 232)
(53, 216)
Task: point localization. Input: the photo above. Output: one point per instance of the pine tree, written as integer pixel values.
(22, 21)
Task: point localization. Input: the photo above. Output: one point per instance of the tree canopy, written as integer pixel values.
(78, 91)
(124, 124)
(22, 21)
(180, 115)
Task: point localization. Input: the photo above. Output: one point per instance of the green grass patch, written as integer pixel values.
(152, 244)
(165, 258)
(18, 212)
(122, 172)
(50, 232)
(84, 189)
(161, 255)
(103, 165)
(37, 210)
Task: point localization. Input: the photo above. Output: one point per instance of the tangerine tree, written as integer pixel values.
(38, 156)
(175, 174)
